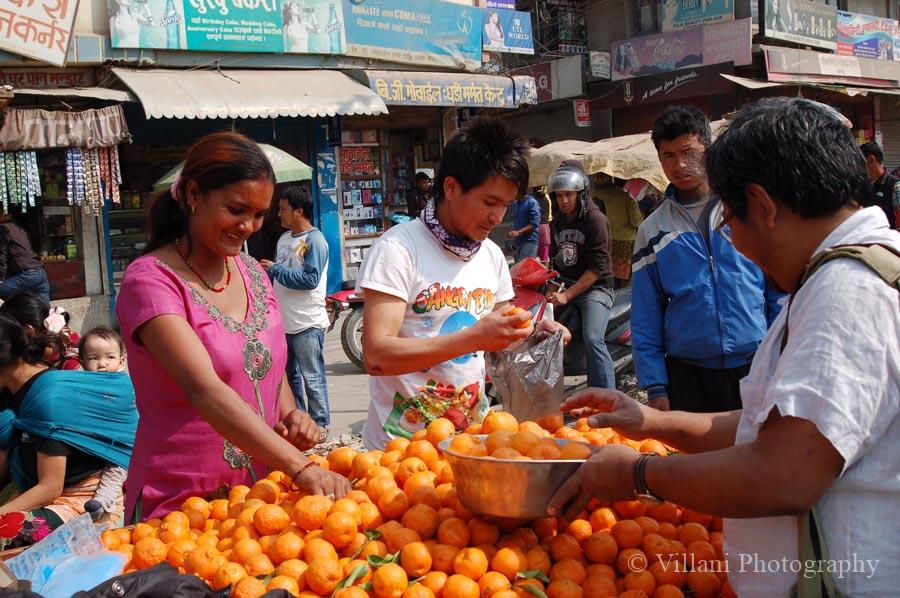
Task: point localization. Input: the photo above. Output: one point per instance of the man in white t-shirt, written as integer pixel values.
(437, 288)
(300, 277)
(819, 425)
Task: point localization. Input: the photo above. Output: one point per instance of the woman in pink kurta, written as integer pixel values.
(174, 303)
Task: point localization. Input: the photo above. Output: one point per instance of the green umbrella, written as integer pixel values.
(287, 168)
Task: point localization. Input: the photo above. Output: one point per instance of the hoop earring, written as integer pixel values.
(193, 209)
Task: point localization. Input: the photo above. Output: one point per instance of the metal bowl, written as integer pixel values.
(506, 487)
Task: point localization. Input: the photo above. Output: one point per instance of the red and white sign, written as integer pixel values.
(38, 29)
(583, 113)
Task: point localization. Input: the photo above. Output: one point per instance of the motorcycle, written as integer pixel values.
(351, 330)
(532, 280)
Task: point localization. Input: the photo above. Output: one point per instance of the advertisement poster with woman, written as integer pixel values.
(282, 26)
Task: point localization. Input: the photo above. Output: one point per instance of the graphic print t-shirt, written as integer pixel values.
(444, 294)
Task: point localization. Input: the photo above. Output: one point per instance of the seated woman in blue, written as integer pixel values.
(60, 430)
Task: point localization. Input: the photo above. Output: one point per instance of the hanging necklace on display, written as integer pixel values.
(187, 262)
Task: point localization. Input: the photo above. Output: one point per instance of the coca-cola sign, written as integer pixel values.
(655, 54)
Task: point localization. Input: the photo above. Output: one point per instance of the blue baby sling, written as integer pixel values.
(94, 412)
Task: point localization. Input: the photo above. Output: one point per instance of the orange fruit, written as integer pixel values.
(470, 562)
(599, 586)
(665, 512)
(509, 562)
(438, 430)
(389, 581)
(323, 575)
(141, 531)
(148, 552)
(499, 420)
(668, 574)
(270, 519)
(218, 509)
(703, 584)
(283, 582)
(422, 449)
(287, 546)
(482, 532)
(551, 423)
(294, 568)
(340, 460)
(655, 547)
(564, 588)
(640, 580)
(259, 565)
(627, 533)
(417, 590)
(363, 463)
(538, 560)
(310, 512)
(423, 520)
(227, 575)
(339, 529)
(264, 490)
(110, 539)
(668, 591)
(568, 569)
(420, 479)
(692, 532)
(198, 504)
(204, 562)
(579, 529)
(603, 518)
(369, 516)
(499, 439)
(460, 586)
(415, 558)
(248, 587)
(442, 556)
(629, 509)
(668, 530)
(648, 524)
(317, 548)
(631, 559)
(397, 444)
(467, 444)
(393, 503)
(178, 550)
(434, 581)
(491, 582)
(564, 546)
(400, 538)
(351, 592)
(243, 549)
(454, 532)
(545, 450)
(519, 587)
(701, 552)
(600, 547)
(237, 494)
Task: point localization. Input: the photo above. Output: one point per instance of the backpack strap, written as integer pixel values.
(881, 259)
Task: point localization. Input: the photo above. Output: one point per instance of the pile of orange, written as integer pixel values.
(402, 533)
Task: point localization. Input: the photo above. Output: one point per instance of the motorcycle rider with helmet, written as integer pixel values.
(581, 251)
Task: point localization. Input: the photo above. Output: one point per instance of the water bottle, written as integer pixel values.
(334, 30)
(171, 20)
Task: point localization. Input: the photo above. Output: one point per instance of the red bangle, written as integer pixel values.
(299, 472)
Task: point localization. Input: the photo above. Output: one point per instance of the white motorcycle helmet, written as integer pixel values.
(569, 178)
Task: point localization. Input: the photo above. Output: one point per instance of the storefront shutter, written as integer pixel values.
(890, 128)
(551, 123)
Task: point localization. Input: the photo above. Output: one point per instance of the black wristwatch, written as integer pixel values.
(642, 492)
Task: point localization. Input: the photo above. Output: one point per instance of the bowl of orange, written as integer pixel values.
(512, 476)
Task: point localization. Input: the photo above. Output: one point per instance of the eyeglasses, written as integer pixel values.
(721, 226)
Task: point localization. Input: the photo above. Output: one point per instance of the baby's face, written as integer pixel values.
(102, 355)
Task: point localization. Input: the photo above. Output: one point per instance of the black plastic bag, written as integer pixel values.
(529, 378)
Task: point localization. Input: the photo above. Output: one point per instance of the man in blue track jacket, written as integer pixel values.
(699, 308)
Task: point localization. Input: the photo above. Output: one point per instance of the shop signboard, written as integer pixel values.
(582, 113)
(599, 64)
(675, 15)
(807, 22)
(789, 65)
(555, 79)
(409, 88)
(47, 78)
(39, 30)
(421, 32)
(505, 4)
(282, 26)
(866, 36)
(654, 54)
(507, 31)
(543, 79)
(666, 87)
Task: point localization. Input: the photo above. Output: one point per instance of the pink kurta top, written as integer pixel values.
(177, 454)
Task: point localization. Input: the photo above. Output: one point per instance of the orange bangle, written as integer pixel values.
(300, 471)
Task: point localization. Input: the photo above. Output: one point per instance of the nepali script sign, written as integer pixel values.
(36, 29)
(407, 88)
